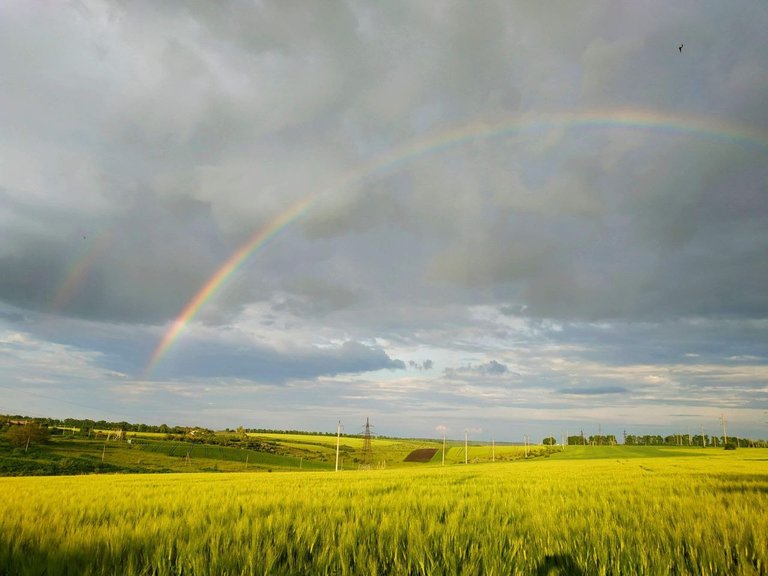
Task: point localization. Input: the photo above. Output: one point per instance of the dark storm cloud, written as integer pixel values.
(142, 265)
(578, 229)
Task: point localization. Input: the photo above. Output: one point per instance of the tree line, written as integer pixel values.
(86, 426)
(669, 440)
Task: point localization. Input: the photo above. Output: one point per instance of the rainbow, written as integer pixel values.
(66, 291)
(215, 282)
(636, 119)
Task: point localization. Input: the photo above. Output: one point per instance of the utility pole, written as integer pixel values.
(466, 452)
(338, 441)
(723, 421)
(443, 464)
(702, 436)
(493, 450)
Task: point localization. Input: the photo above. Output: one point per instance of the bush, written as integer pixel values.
(730, 446)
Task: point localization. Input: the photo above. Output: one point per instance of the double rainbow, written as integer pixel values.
(675, 124)
(78, 271)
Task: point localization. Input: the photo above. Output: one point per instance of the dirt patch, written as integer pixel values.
(421, 455)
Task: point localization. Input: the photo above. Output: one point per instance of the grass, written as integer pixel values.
(647, 512)
(392, 451)
(599, 452)
(76, 455)
(68, 454)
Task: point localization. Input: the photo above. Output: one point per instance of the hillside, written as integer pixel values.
(69, 452)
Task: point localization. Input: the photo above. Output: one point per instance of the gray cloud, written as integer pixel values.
(268, 365)
(425, 365)
(490, 368)
(594, 391)
(493, 367)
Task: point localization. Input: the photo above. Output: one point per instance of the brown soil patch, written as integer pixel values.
(421, 455)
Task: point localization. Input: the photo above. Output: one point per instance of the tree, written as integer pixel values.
(549, 441)
(603, 440)
(27, 434)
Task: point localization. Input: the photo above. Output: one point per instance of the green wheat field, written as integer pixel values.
(587, 510)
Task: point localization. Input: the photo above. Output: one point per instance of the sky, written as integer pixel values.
(499, 218)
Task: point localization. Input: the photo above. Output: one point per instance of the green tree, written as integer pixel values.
(549, 441)
(29, 433)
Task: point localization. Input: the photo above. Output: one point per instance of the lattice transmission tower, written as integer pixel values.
(367, 452)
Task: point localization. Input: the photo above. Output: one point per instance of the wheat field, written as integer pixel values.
(685, 514)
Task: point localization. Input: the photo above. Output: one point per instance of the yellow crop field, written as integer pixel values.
(330, 441)
(699, 513)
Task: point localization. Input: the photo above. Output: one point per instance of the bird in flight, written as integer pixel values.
(680, 48)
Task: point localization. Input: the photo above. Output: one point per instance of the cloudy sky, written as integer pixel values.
(504, 217)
